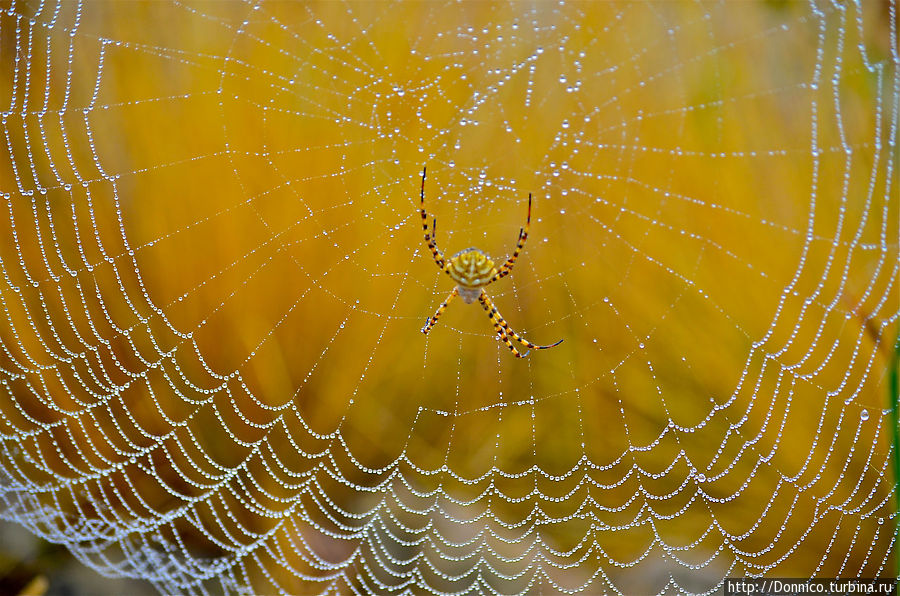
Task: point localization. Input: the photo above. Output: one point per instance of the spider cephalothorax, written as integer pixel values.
(471, 269)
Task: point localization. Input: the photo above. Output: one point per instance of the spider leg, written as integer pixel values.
(430, 237)
(503, 336)
(506, 269)
(505, 339)
(429, 322)
(497, 320)
(501, 325)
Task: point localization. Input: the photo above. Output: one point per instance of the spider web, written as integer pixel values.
(214, 276)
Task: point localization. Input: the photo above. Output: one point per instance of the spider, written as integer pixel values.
(472, 270)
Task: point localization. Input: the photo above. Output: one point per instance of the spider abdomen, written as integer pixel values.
(471, 268)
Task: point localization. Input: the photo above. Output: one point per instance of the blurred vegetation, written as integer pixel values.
(894, 406)
(264, 167)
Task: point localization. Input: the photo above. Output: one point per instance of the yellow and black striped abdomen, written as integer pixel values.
(471, 268)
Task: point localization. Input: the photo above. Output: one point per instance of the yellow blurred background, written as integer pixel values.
(214, 278)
